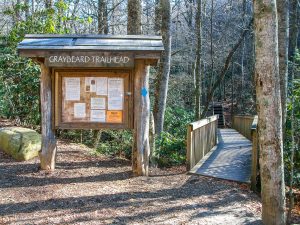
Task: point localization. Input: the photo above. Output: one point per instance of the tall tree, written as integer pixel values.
(267, 82)
(283, 37)
(189, 4)
(102, 17)
(134, 25)
(292, 145)
(294, 27)
(198, 72)
(162, 76)
(157, 18)
(26, 2)
(141, 147)
(211, 45)
(18, 11)
(32, 6)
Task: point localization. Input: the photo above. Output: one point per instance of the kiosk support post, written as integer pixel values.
(48, 151)
(141, 148)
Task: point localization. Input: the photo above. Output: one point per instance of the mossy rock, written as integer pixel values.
(21, 143)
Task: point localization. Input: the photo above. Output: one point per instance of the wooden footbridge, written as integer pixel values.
(230, 154)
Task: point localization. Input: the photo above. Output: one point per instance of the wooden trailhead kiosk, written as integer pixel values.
(94, 82)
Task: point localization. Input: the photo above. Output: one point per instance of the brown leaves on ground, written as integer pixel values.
(93, 189)
(87, 188)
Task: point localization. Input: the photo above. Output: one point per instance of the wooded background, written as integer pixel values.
(209, 57)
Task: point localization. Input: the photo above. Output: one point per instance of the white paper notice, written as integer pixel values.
(90, 84)
(98, 115)
(72, 89)
(79, 110)
(98, 103)
(101, 86)
(115, 93)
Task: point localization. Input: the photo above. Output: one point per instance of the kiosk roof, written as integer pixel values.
(91, 43)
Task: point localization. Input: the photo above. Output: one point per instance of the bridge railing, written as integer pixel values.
(201, 138)
(243, 125)
(247, 126)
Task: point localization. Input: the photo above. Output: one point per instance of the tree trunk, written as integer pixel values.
(242, 96)
(211, 81)
(105, 19)
(162, 77)
(189, 4)
(157, 18)
(269, 112)
(292, 134)
(152, 141)
(147, 25)
(283, 37)
(112, 21)
(32, 7)
(141, 148)
(18, 12)
(26, 9)
(293, 25)
(134, 17)
(198, 72)
(102, 17)
(232, 93)
(48, 152)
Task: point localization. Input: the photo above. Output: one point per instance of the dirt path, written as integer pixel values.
(88, 189)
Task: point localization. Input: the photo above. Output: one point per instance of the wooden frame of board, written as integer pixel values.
(63, 119)
(65, 58)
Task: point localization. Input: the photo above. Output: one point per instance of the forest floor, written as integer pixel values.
(94, 189)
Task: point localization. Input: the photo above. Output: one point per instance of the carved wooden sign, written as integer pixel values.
(90, 59)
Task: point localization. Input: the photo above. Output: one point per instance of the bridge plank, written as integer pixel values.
(230, 159)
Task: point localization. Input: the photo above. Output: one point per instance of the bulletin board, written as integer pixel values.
(93, 99)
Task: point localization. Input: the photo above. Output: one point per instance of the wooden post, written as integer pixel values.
(153, 161)
(255, 150)
(189, 148)
(254, 160)
(141, 148)
(216, 131)
(48, 152)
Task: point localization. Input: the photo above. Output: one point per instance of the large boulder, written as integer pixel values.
(21, 143)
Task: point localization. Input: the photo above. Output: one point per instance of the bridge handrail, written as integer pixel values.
(247, 126)
(201, 138)
(203, 122)
(243, 123)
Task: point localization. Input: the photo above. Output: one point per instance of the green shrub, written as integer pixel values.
(176, 120)
(19, 88)
(116, 143)
(170, 150)
(171, 145)
(293, 106)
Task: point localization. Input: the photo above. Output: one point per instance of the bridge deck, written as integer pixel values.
(230, 159)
